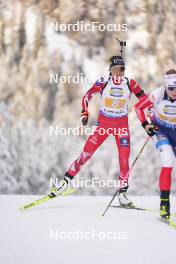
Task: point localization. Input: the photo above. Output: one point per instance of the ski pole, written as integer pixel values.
(129, 171)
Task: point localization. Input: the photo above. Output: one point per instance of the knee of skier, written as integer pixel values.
(167, 156)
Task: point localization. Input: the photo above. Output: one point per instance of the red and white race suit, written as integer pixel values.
(113, 116)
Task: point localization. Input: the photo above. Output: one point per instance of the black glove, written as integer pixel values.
(84, 117)
(149, 128)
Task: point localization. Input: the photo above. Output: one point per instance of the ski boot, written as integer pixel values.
(123, 200)
(62, 186)
(165, 205)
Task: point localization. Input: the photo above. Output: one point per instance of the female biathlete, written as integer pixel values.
(162, 129)
(115, 94)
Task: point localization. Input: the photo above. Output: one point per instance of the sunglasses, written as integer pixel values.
(171, 88)
(122, 68)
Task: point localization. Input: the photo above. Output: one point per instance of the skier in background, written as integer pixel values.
(115, 94)
(162, 129)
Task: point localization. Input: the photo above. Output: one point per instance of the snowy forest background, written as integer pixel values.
(29, 104)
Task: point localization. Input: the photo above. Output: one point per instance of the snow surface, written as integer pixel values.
(25, 237)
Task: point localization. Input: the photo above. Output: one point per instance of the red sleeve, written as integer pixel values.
(96, 88)
(136, 89)
(141, 106)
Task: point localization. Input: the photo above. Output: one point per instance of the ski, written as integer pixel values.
(128, 207)
(132, 206)
(45, 199)
(168, 222)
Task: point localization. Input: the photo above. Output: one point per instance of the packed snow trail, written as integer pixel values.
(31, 237)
